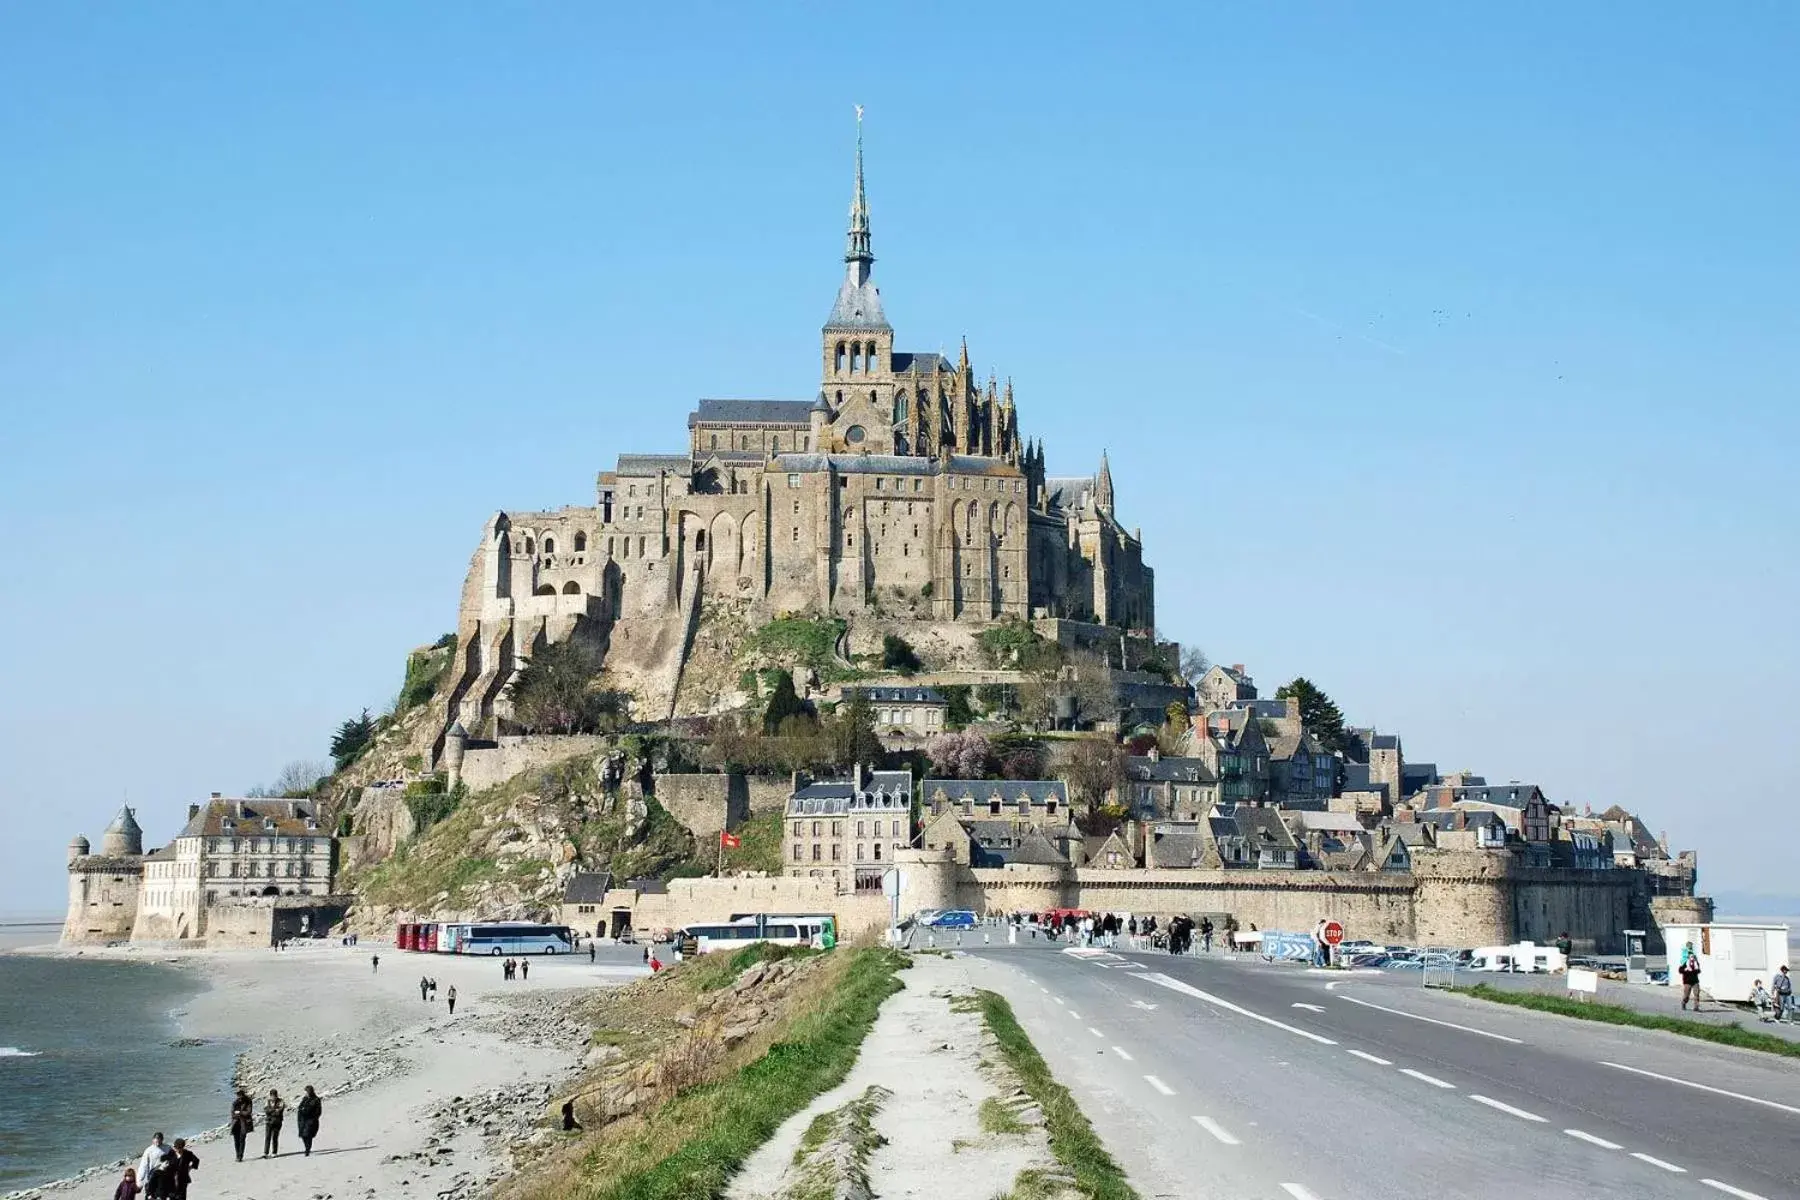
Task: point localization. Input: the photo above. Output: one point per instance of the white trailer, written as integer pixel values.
(1732, 957)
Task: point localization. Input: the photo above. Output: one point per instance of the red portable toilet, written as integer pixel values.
(431, 937)
(400, 936)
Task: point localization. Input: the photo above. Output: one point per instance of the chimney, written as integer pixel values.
(1238, 667)
(1155, 754)
(794, 783)
(193, 811)
(217, 795)
(1403, 815)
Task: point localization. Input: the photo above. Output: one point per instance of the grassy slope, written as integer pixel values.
(1614, 1014)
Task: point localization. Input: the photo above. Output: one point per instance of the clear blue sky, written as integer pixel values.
(1446, 357)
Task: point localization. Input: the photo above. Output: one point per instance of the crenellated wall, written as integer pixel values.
(103, 899)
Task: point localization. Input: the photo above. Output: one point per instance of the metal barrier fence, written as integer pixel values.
(1439, 963)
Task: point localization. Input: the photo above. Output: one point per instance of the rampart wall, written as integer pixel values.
(705, 804)
(485, 765)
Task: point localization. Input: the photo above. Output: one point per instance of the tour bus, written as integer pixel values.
(514, 937)
(818, 930)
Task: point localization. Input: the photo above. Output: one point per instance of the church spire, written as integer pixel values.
(1103, 485)
(857, 250)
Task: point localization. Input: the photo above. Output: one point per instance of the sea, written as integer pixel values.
(92, 1060)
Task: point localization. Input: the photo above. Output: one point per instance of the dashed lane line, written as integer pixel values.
(1367, 1057)
(1788, 1108)
(1422, 1077)
(1175, 985)
(1074, 1014)
(1298, 1192)
(1498, 1037)
(1217, 1130)
(1670, 1167)
(1122, 1054)
(1591, 1140)
(1095, 1032)
(1159, 1085)
(1508, 1109)
(1740, 1193)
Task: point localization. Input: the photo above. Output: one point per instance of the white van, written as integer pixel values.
(1525, 958)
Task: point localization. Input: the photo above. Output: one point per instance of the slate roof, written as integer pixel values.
(905, 361)
(587, 887)
(1330, 822)
(1445, 818)
(225, 818)
(752, 412)
(1414, 776)
(1263, 828)
(858, 464)
(1507, 795)
(1356, 779)
(1143, 769)
(1066, 492)
(1034, 849)
(887, 790)
(650, 464)
(1010, 791)
(1384, 741)
(996, 843)
(1268, 709)
(1173, 849)
(897, 695)
(858, 306)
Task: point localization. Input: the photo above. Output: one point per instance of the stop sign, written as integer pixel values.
(1334, 933)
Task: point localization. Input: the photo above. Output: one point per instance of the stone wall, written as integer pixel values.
(484, 766)
(258, 922)
(769, 793)
(689, 901)
(704, 804)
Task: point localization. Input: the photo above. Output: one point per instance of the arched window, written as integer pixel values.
(899, 408)
(712, 442)
(549, 545)
(530, 547)
(580, 543)
(545, 589)
(775, 444)
(699, 539)
(571, 588)
(855, 356)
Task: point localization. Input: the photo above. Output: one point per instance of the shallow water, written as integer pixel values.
(90, 1066)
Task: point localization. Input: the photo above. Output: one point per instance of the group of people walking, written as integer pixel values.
(428, 991)
(165, 1170)
(515, 968)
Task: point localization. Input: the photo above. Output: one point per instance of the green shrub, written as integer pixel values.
(805, 641)
(897, 654)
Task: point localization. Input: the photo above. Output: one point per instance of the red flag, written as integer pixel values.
(730, 840)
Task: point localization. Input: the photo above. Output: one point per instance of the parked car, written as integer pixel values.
(955, 918)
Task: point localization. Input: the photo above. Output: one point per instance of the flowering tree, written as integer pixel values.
(965, 755)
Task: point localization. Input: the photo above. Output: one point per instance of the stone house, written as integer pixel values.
(1302, 773)
(1223, 687)
(1041, 802)
(991, 842)
(1231, 743)
(1114, 851)
(847, 830)
(1466, 828)
(904, 716)
(1172, 789)
(1251, 836)
(233, 848)
(584, 902)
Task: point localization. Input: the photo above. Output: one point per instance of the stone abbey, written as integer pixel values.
(906, 484)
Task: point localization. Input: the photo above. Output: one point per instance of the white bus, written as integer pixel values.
(816, 930)
(514, 937)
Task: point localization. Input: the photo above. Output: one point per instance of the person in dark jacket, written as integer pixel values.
(183, 1162)
(308, 1111)
(128, 1188)
(274, 1113)
(243, 1120)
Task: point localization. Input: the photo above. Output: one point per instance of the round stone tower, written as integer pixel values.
(78, 847)
(456, 742)
(123, 837)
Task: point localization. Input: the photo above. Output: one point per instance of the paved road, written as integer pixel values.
(1224, 1078)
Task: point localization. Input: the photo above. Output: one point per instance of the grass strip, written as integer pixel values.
(1072, 1139)
(1616, 1014)
(722, 1123)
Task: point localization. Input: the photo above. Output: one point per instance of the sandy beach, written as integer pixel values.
(417, 1102)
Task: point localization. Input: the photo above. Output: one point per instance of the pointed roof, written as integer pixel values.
(858, 303)
(124, 822)
(1103, 484)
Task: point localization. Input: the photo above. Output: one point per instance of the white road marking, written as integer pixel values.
(1591, 1140)
(1657, 1162)
(1074, 1014)
(1095, 1032)
(1142, 1005)
(1309, 1007)
(1367, 1057)
(1498, 1037)
(1740, 1193)
(1332, 985)
(1121, 1053)
(1298, 1192)
(1217, 1130)
(1703, 1087)
(1175, 985)
(1159, 1085)
(1506, 1108)
(1422, 1077)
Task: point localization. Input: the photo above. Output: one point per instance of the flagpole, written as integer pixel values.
(721, 871)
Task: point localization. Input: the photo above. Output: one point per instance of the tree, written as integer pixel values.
(1095, 767)
(300, 778)
(784, 702)
(1317, 713)
(897, 654)
(352, 739)
(557, 690)
(1194, 665)
(965, 755)
(850, 733)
